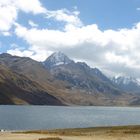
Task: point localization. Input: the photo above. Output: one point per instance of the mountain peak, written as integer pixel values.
(57, 58)
(58, 55)
(125, 80)
(127, 83)
(5, 55)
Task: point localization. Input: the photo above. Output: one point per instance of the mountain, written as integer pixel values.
(129, 84)
(86, 85)
(32, 69)
(80, 76)
(57, 59)
(57, 81)
(35, 71)
(18, 89)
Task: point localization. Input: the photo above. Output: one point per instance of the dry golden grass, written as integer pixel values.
(50, 138)
(117, 130)
(98, 133)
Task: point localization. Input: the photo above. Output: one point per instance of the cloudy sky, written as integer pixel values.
(103, 33)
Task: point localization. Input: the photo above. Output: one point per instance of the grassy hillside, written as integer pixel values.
(18, 89)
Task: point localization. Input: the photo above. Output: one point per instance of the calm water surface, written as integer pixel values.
(48, 117)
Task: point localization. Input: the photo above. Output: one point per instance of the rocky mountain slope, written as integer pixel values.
(88, 80)
(79, 75)
(56, 81)
(18, 89)
(129, 84)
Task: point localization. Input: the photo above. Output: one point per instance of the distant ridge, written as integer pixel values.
(79, 75)
(129, 84)
(58, 81)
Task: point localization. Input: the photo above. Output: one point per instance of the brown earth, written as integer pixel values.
(104, 133)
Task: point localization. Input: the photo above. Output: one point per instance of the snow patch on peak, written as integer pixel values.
(57, 58)
(58, 55)
(125, 80)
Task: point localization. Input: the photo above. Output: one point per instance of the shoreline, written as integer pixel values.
(68, 129)
(99, 133)
(125, 106)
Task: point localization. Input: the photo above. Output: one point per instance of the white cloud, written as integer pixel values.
(65, 16)
(9, 11)
(27, 6)
(6, 33)
(110, 50)
(59, 39)
(20, 52)
(8, 15)
(113, 58)
(114, 51)
(34, 54)
(32, 24)
(11, 8)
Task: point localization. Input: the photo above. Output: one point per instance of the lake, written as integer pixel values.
(50, 117)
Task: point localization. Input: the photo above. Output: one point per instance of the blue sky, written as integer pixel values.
(107, 14)
(103, 33)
